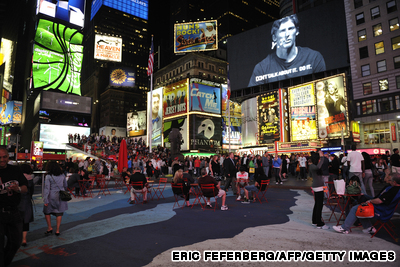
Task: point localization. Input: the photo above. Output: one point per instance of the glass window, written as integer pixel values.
(383, 85)
(377, 29)
(362, 35)
(396, 42)
(381, 65)
(358, 108)
(367, 88)
(394, 24)
(379, 48)
(397, 101)
(360, 18)
(391, 6)
(363, 52)
(396, 62)
(375, 12)
(398, 82)
(365, 70)
(358, 3)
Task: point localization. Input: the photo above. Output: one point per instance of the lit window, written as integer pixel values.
(396, 43)
(365, 70)
(367, 88)
(379, 48)
(375, 13)
(381, 65)
(394, 24)
(362, 35)
(377, 29)
(383, 85)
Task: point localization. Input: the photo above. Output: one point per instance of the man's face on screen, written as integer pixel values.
(286, 35)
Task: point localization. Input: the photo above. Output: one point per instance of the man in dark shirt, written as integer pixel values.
(73, 181)
(254, 188)
(230, 173)
(395, 161)
(217, 192)
(12, 184)
(138, 177)
(289, 60)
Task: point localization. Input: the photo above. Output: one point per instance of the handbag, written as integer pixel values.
(340, 186)
(365, 210)
(64, 195)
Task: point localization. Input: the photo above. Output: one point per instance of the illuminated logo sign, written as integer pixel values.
(196, 36)
(71, 11)
(108, 48)
(138, 8)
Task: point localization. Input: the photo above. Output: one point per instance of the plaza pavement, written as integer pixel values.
(108, 231)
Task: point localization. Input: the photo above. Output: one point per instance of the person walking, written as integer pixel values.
(276, 163)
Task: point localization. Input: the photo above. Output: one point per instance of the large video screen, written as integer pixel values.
(138, 8)
(175, 99)
(108, 48)
(66, 102)
(196, 36)
(156, 115)
(205, 98)
(290, 47)
(57, 58)
(56, 136)
(72, 11)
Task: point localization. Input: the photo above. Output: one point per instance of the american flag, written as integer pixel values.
(228, 92)
(151, 59)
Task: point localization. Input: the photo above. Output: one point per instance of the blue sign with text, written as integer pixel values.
(205, 98)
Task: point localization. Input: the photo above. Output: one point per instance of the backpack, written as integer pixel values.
(353, 189)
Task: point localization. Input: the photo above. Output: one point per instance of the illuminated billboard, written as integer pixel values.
(56, 136)
(205, 98)
(57, 58)
(177, 125)
(249, 123)
(138, 8)
(332, 107)
(108, 48)
(113, 131)
(196, 36)
(136, 123)
(10, 112)
(268, 118)
(156, 115)
(303, 124)
(290, 47)
(205, 132)
(175, 99)
(72, 11)
(124, 77)
(65, 102)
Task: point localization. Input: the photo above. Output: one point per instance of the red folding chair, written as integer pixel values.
(178, 188)
(264, 183)
(86, 185)
(196, 192)
(208, 190)
(71, 191)
(137, 194)
(388, 225)
(160, 189)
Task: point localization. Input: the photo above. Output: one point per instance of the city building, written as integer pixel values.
(374, 48)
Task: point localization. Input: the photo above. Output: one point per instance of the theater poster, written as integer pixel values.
(205, 132)
(175, 99)
(136, 123)
(205, 98)
(180, 125)
(156, 118)
(303, 124)
(268, 118)
(196, 36)
(332, 107)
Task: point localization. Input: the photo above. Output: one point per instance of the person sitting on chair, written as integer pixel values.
(384, 207)
(255, 188)
(138, 177)
(244, 176)
(218, 192)
(178, 179)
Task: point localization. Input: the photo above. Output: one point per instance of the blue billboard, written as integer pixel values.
(72, 11)
(205, 98)
(122, 76)
(138, 8)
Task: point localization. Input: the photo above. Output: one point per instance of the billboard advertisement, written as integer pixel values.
(57, 58)
(65, 102)
(138, 8)
(268, 118)
(205, 98)
(108, 48)
(136, 123)
(175, 99)
(113, 131)
(249, 123)
(10, 112)
(156, 115)
(303, 124)
(177, 125)
(72, 11)
(124, 77)
(9, 52)
(205, 132)
(332, 107)
(56, 136)
(290, 47)
(235, 130)
(196, 36)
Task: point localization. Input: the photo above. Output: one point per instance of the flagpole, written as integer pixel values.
(229, 110)
(150, 70)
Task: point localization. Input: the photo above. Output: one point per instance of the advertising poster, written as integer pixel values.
(205, 98)
(332, 107)
(56, 136)
(72, 11)
(303, 124)
(205, 132)
(156, 115)
(235, 131)
(355, 128)
(268, 118)
(196, 36)
(108, 48)
(175, 99)
(179, 125)
(249, 123)
(136, 123)
(10, 112)
(235, 108)
(113, 131)
(57, 58)
(124, 77)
